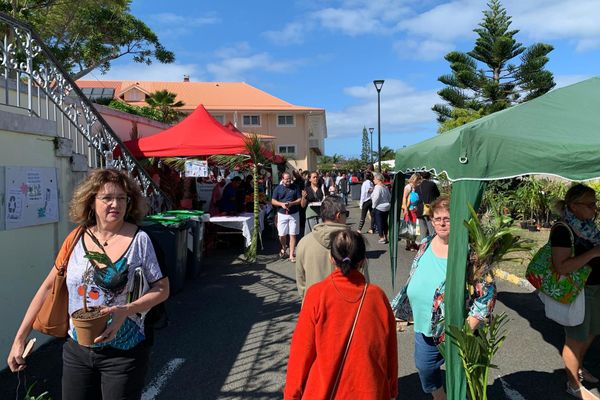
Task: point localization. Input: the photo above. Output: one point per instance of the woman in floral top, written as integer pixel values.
(422, 300)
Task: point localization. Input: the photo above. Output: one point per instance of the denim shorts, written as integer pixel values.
(428, 361)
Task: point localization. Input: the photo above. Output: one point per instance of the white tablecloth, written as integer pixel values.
(242, 222)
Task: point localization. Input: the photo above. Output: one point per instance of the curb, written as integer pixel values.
(515, 280)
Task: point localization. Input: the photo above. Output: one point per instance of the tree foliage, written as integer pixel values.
(85, 35)
(484, 80)
(164, 102)
(365, 149)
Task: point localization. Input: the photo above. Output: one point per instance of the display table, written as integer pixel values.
(243, 222)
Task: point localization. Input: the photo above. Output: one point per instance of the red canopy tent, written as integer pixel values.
(199, 134)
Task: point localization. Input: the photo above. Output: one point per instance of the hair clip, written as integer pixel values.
(347, 259)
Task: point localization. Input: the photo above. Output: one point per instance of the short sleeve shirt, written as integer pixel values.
(80, 271)
(285, 194)
(559, 237)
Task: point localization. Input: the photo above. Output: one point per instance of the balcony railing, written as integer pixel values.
(31, 79)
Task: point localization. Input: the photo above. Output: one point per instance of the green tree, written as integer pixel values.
(85, 35)
(459, 117)
(483, 80)
(365, 150)
(387, 154)
(164, 102)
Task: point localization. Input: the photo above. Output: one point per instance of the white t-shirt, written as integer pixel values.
(364, 191)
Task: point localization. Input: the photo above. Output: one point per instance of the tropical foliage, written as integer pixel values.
(365, 148)
(85, 35)
(165, 104)
(484, 80)
(476, 351)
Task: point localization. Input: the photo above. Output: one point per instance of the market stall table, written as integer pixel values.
(243, 223)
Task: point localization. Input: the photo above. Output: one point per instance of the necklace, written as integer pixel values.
(106, 240)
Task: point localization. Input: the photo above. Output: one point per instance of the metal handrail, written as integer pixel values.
(25, 60)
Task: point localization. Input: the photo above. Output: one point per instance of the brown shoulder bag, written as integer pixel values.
(53, 317)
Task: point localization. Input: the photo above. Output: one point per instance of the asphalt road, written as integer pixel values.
(230, 330)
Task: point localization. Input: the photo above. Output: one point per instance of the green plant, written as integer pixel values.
(476, 351)
(30, 396)
(491, 243)
(529, 199)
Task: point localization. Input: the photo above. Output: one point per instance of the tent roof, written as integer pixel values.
(557, 134)
(197, 135)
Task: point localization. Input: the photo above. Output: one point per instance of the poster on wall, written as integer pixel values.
(31, 196)
(196, 169)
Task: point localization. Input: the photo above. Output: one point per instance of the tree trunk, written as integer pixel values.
(251, 252)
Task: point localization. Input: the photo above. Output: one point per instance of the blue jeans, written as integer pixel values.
(428, 361)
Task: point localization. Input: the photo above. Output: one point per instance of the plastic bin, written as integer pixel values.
(169, 238)
(195, 240)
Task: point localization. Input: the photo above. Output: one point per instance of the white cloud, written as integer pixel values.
(427, 50)
(171, 24)
(231, 67)
(153, 72)
(404, 109)
(566, 80)
(292, 33)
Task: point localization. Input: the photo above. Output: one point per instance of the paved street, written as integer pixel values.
(230, 330)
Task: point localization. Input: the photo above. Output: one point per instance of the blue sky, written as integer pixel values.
(326, 53)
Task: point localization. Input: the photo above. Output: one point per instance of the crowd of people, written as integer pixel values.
(345, 341)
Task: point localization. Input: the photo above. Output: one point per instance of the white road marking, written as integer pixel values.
(510, 393)
(154, 387)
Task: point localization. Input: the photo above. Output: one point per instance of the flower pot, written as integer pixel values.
(89, 325)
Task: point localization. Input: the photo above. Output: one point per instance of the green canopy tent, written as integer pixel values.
(556, 134)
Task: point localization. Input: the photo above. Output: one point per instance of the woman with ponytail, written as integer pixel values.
(344, 345)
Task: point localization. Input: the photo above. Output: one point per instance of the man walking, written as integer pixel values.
(287, 198)
(314, 263)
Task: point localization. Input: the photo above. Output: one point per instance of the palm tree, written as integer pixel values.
(256, 154)
(164, 102)
(387, 154)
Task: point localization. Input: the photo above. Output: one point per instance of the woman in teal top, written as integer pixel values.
(422, 300)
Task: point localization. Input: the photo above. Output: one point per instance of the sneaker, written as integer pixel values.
(580, 392)
(382, 241)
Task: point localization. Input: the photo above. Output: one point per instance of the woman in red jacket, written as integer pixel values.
(344, 345)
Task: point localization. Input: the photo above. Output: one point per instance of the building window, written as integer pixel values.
(286, 149)
(98, 93)
(251, 120)
(220, 118)
(286, 120)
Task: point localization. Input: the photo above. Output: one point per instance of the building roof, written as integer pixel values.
(215, 96)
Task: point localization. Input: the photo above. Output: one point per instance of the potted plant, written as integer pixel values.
(488, 245)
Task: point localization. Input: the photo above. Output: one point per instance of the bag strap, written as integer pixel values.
(570, 235)
(337, 378)
(62, 259)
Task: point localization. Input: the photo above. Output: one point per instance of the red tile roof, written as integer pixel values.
(215, 96)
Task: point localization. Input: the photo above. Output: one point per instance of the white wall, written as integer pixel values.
(28, 253)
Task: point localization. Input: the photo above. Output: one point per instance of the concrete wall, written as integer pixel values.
(28, 253)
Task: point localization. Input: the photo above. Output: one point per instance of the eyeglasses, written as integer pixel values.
(439, 220)
(110, 199)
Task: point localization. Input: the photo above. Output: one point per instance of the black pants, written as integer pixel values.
(302, 221)
(108, 373)
(366, 208)
(381, 222)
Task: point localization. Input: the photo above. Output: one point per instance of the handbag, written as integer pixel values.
(339, 373)
(53, 317)
(565, 314)
(426, 210)
(406, 229)
(563, 288)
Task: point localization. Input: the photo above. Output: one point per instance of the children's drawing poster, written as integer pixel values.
(31, 196)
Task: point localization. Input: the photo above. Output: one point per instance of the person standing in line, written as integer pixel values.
(314, 194)
(410, 199)
(381, 198)
(344, 345)
(287, 197)
(573, 246)
(342, 186)
(313, 263)
(428, 192)
(365, 203)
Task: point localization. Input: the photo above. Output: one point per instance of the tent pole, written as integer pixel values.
(463, 193)
(394, 217)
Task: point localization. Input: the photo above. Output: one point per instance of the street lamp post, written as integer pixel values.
(371, 143)
(378, 85)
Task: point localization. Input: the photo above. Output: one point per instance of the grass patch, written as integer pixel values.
(517, 267)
